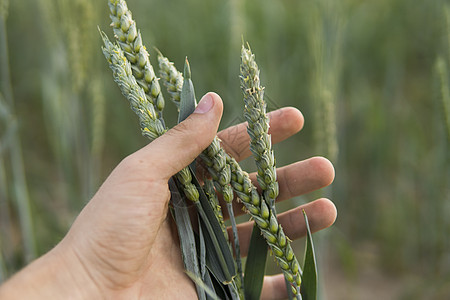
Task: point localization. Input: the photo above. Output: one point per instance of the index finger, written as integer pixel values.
(283, 123)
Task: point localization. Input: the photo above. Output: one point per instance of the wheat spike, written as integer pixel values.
(267, 222)
(215, 159)
(130, 40)
(210, 192)
(258, 126)
(261, 148)
(151, 126)
(171, 78)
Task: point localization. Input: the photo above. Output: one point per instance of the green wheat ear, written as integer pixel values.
(171, 78)
(130, 40)
(267, 222)
(258, 126)
(151, 126)
(210, 192)
(261, 148)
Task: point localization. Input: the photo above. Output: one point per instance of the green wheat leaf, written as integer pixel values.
(205, 273)
(186, 234)
(187, 101)
(255, 266)
(220, 252)
(198, 281)
(202, 252)
(309, 278)
(221, 259)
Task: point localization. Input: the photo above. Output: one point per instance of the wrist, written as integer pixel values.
(55, 275)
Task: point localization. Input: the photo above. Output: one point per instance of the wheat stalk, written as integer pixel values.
(130, 40)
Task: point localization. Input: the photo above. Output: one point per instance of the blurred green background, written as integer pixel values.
(371, 78)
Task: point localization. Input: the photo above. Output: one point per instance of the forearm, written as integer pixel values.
(55, 275)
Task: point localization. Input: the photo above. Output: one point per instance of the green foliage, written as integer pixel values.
(188, 101)
(255, 266)
(187, 239)
(309, 276)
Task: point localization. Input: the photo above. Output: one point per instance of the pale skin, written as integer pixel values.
(123, 244)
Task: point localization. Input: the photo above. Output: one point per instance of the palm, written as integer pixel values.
(165, 278)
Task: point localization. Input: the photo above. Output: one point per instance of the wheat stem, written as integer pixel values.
(237, 247)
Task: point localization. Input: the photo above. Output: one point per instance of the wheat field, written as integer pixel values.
(370, 77)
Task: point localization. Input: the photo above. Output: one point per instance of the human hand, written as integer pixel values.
(124, 245)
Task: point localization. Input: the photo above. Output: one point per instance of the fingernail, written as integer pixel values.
(204, 105)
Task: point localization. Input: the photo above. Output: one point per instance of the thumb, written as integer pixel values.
(179, 146)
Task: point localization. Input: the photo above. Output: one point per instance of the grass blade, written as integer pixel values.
(210, 283)
(255, 265)
(221, 260)
(198, 281)
(187, 101)
(202, 255)
(186, 235)
(309, 278)
(206, 277)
